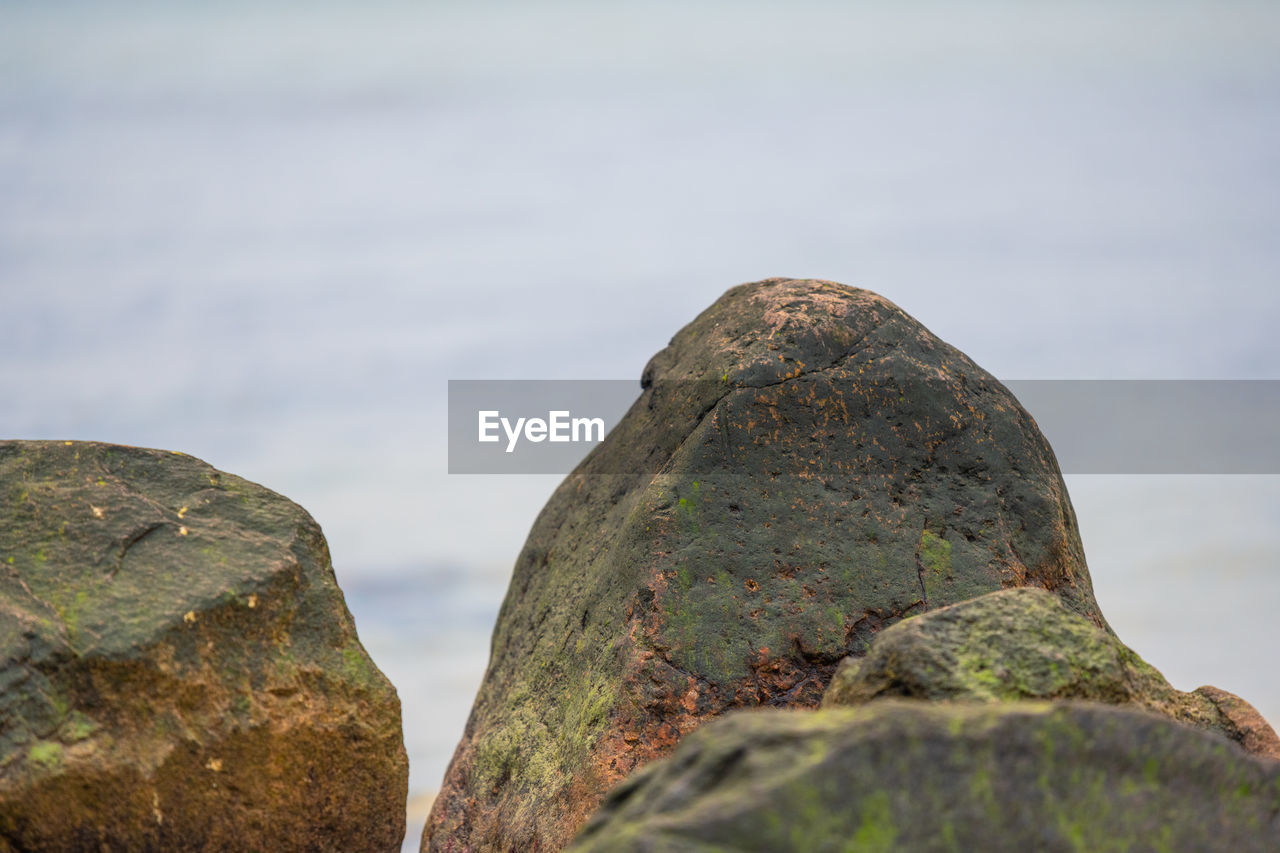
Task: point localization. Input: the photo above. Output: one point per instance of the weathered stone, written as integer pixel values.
(1026, 644)
(806, 464)
(1241, 722)
(178, 669)
(903, 775)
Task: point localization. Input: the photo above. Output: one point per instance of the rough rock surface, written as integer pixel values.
(1025, 644)
(1062, 776)
(178, 669)
(805, 465)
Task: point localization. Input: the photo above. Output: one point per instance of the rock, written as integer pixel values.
(1025, 644)
(178, 669)
(1242, 723)
(806, 464)
(901, 775)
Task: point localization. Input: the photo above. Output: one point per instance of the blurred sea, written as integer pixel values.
(266, 234)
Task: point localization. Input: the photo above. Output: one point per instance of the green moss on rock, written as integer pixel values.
(1019, 644)
(45, 755)
(899, 775)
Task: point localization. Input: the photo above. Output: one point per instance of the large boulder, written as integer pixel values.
(806, 464)
(1019, 644)
(178, 669)
(902, 775)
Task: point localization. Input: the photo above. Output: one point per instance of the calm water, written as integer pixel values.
(267, 235)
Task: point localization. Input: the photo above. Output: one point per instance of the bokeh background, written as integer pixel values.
(267, 234)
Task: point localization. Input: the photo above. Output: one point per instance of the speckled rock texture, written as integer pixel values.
(921, 776)
(806, 464)
(178, 669)
(1025, 644)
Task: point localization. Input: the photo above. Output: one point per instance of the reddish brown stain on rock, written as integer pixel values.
(1243, 721)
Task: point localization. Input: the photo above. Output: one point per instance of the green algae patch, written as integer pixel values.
(935, 553)
(935, 567)
(537, 746)
(876, 832)
(900, 775)
(45, 755)
(78, 727)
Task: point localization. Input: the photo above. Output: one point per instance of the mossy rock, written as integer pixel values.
(178, 668)
(901, 775)
(806, 465)
(1024, 643)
